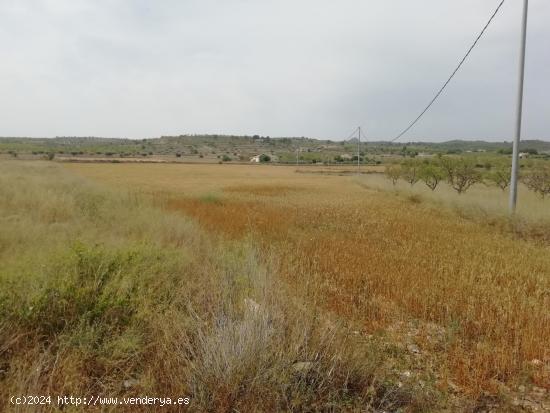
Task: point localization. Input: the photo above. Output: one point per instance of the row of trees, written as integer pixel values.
(462, 173)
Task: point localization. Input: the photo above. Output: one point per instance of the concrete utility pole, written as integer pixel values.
(519, 114)
(359, 150)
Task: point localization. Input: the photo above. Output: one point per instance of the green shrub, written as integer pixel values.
(211, 199)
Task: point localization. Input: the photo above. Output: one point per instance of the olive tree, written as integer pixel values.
(538, 180)
(431, 174)
(410, 172)
(461, 173)
(393, 173)
(500, 177)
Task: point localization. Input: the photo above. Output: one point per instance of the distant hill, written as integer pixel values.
(243, 147)
(489, 146)
(466, 145)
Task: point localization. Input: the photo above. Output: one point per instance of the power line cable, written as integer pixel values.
(352, 135)
(453, 74)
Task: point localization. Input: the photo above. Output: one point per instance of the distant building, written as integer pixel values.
(258, 158)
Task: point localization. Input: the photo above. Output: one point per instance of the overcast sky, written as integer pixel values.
(317, 68)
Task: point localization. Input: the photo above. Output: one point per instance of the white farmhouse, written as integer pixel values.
(258, 158)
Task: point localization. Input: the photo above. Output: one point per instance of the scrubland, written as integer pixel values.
(258, 288)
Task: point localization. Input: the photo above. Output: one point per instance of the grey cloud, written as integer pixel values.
(282, 68)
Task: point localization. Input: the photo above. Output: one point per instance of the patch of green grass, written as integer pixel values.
(211, 198)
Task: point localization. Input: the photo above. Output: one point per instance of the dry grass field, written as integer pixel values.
(484, 203)
(470, 296)
(247, 286)
(104, 294)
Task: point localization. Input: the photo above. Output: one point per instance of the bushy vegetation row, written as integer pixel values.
(462, 173)
(103, 294)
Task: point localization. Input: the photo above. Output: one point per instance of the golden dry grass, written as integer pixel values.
(99, 288)
(377, 259)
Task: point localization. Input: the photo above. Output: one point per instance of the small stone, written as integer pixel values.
(413, 348)
(406, 375)
(530, 405)
(302, 366)
(453, 387)
(539, 391)
(130, 383)
(251, 306)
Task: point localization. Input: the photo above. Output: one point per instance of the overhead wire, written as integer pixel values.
(414, 122)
